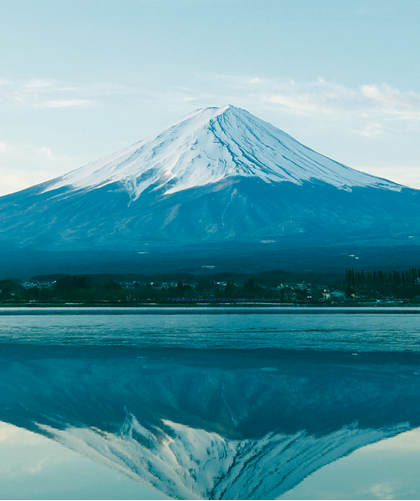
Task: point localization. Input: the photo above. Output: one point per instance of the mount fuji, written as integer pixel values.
(217, 176)
(208, 147)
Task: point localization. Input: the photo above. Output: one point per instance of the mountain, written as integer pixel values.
(207, 147)
(217, 176)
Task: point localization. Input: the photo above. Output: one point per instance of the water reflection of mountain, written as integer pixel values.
(210, 424)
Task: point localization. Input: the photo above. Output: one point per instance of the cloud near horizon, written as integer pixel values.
(42, 94)
(301, 98)
(326, 97)
(65, 103)
(25, 165)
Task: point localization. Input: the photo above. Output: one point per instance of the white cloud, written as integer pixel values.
(319, 96)
(382, 491)
(257, 80)
(371, 130)
(325, 97)
(392, 97)
(38, 84)
(43, 94)
(7, 433)
(64, 103)
(11, 435)
(303, 103)
(33, 470)
(24, 165)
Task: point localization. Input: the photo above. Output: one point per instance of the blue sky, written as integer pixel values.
(83, 78)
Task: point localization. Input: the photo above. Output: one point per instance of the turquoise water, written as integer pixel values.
(383, 330)
(216, 405)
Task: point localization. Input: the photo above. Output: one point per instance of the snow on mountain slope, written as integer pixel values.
(210, 145)
(188, 463)
(218, 175)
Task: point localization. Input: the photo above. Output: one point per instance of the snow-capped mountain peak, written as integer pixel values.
(208, 146)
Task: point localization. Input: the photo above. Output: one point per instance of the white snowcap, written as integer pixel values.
(209, 145)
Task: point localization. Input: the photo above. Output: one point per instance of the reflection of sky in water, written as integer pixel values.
(133, 404)
(35, 467)
(386, 470)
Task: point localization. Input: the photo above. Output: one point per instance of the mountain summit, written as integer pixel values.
(217, 176)
(208, 146)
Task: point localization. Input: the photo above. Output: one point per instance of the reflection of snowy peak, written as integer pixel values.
(208, 146)
(207, 423)
(187, 463)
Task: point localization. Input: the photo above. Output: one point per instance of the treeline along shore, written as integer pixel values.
(270, 287)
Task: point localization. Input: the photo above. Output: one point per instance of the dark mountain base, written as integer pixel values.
(210, 259)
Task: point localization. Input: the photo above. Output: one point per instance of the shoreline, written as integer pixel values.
(243, 309)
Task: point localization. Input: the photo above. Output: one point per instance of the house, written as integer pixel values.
(334, 295)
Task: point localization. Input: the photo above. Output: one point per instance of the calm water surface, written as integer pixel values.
(383, 330)
(212, 404)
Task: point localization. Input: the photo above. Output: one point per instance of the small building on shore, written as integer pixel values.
(335, 295)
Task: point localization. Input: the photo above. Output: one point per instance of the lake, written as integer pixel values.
(209, 403)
